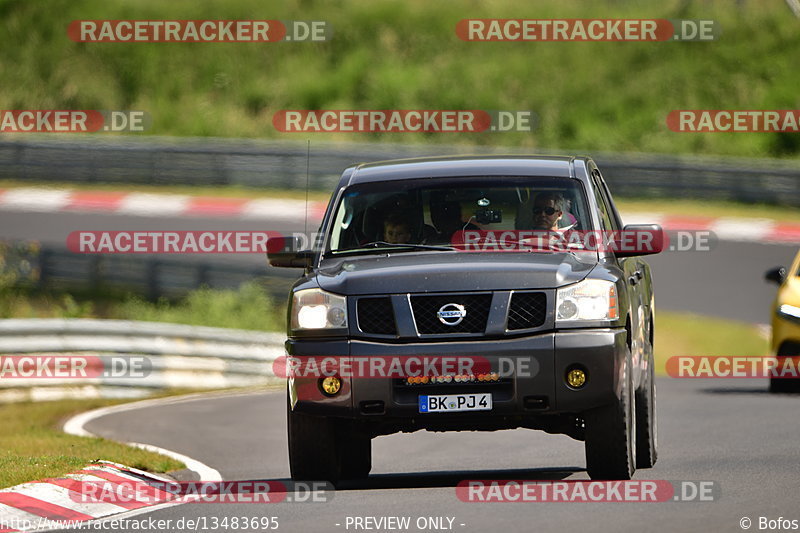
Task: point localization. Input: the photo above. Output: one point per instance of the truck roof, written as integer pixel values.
(483, 165)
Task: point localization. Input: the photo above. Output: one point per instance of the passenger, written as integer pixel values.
(397, 228)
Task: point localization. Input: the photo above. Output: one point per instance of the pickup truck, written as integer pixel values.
(433, 259)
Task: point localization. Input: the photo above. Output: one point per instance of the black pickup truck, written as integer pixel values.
(501, 272)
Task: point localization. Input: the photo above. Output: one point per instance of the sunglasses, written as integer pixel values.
(549, 211)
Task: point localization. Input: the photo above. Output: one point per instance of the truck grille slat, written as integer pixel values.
(527, 310)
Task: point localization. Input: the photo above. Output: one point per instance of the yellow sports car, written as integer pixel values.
(786, 321)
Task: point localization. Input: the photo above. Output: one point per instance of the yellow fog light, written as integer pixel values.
(330, 385)
(576, 378)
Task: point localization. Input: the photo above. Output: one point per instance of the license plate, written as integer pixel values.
(453, 403)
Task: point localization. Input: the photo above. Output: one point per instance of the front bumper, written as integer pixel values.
(540, 391)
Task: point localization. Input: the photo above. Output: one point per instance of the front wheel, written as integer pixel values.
(788, 384)
(784, 385)
(611, 435)
(646, 431)
(326, 449)
(357, 455)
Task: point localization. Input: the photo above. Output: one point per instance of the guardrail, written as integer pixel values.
(45, 267)
(275, 164)
(179, 356)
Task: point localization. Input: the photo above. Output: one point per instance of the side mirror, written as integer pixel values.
(776, 275)
(639, 239)
(285, 252)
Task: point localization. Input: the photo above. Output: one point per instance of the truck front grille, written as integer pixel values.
(376, 316)
(527, 310)
(427, 307)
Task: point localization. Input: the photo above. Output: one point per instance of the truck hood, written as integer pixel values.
(451, 272)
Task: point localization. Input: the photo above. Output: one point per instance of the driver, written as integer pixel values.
(548, 208)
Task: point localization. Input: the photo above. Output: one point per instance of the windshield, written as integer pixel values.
(437, 214)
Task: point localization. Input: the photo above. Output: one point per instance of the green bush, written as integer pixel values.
(246, 308)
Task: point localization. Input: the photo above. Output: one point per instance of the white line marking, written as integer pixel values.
(269, 209)
(205, 472)
(153, 204)
(742, 229)
(32, 199)
(75, 426)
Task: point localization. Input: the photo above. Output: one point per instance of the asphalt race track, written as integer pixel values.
(730, 432)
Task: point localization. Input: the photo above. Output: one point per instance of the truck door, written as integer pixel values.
(631, 266)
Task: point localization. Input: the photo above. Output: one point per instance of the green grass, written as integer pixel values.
(695, 335)
(601, 96)
(32, 445)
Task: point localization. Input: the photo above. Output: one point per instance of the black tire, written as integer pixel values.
(611, 435)
(646, 429)
(312, 448)
(357, 458)
(326, 449)
(784, 385)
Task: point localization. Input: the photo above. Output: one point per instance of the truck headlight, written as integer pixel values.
(317, 309)
(591, 299)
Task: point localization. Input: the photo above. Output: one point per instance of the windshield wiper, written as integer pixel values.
(374, 245)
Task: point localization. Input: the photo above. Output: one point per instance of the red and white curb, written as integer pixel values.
(57, 503)
(289, 210)
(155, 205)
(50, 504)
(76, 426)
(725, 228)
